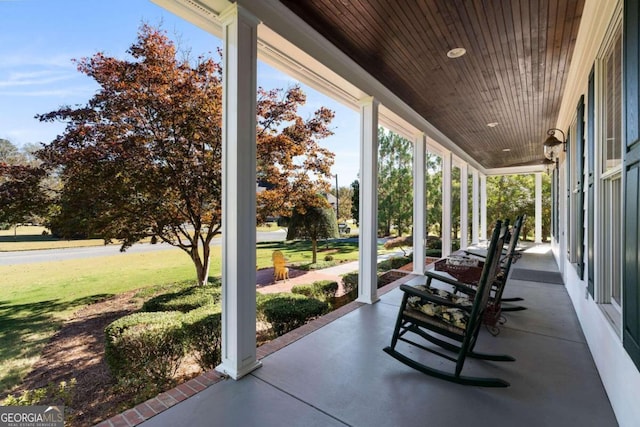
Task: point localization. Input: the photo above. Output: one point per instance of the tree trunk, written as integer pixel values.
(314, 249)
(201, 268)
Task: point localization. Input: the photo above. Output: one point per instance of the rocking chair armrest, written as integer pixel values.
(475, 254)
(451, 281)
(459, 286)
(432, 298)
(465, 288)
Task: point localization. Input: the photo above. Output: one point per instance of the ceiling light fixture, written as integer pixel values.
(456, 52)
(552, 144)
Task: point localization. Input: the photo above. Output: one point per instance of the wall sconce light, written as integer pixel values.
(552, 145)
(549, 165)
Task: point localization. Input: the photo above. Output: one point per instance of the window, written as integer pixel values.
(609, 143)
(571, 186)
(612, 215)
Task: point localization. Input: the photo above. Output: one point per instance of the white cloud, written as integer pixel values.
(20, 60)
(60, 92)
(34, 78)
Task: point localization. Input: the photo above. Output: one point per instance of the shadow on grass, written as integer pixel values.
(26, 328)
(21, 238)
(340, 246)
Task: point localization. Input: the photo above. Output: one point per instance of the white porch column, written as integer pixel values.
(446, 203)
(239, 193)
(483, 207)
(419, 203)
(538, 231)
(475, 206)
(464, 205)
(367, 278)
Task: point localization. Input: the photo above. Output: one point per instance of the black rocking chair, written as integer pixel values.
(435, 319)
(508, 257)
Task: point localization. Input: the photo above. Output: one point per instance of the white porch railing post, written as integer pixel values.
(419, 203)
(483, 207)
(464, 205)
(538, 231)
(475, 206)
(446, 203)
(367, 277)
(239, 193)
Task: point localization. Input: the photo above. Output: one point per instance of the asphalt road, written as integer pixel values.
(47, 255)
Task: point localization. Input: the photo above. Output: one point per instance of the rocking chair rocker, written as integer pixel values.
(434, 318)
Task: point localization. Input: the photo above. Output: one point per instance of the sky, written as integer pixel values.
(39, 39)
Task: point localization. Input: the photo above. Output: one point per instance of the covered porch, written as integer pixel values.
(486, 114)
(334, 372)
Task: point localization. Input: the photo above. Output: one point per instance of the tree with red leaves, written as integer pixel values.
(143, 156)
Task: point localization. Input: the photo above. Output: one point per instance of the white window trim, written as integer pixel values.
(602, 294)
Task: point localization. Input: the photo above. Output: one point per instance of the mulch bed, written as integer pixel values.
(77, 351)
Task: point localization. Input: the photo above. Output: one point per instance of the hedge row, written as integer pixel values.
(287, 312)
(144, 350)
(322, 289)
(350, 280)
(184, 300)
(394, 263)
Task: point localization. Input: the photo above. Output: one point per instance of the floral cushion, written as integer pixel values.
(451, 315)
(456, 317)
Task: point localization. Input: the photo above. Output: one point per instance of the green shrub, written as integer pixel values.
(144, 350)
(322, 289)
(203, 333)
(306, 290)
(60, 394)
(434, 253)
(288, 312)
(434, 242)
(393, 263)
(328, 257)
(262, 299)
(184, 300)
(350, 282)
(317, 266)
(27, 398)
(325, 288)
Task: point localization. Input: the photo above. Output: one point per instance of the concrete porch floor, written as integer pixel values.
(339, 375)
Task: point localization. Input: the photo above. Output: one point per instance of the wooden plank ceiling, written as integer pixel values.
(514, 71)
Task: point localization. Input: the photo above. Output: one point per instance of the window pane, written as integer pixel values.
(612, 144)
(616, 232)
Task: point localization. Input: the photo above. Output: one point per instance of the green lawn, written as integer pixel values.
(37, 298)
